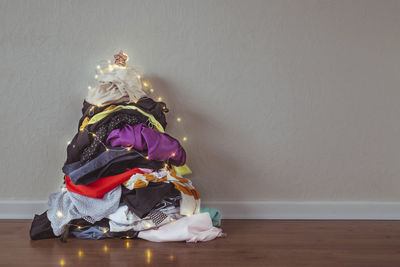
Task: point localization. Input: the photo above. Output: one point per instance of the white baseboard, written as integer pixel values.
(335, 210)
(14, 209)
(254, 210)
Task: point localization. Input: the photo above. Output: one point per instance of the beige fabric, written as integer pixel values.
(116, 84)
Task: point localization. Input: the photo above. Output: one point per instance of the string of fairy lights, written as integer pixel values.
(148, 254)
(109, 68)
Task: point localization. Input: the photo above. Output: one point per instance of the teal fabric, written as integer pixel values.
(214, 214)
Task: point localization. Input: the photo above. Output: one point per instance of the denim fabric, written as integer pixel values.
(94, 232)
(97, 232)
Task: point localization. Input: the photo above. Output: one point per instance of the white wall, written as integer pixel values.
(280, 100)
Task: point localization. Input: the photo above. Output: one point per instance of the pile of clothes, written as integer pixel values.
(123, 173)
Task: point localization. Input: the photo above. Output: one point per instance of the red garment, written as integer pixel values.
(100, 187)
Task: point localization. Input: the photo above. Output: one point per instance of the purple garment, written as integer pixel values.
(160, 146)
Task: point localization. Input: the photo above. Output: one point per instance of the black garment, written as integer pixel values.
(82, 223)
(89, 111)
(125, 163)
(84, 146)
(114, 161)
(125, 235)
(140, 201)
(83, 139)
(167, 203)
(157, 109)
(79, 225)
(104, 128)
(41, 227)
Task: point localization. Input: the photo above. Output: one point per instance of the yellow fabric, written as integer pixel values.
(99, 116)
(110, 107)
(180, 179)
(87, 119)
(183, 185)
(149, 178)
(181, 170)
(139, 184)
(84, 124)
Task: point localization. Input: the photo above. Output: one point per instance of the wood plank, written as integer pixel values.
(249, 243)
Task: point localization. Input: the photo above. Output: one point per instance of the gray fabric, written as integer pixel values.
(75, 206)
(76, 171)
(120, 158)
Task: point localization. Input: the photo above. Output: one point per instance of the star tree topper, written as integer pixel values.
(121, 58)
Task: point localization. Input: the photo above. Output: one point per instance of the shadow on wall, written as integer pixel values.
(206, 160)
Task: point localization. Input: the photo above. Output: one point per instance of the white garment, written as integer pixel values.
(124, 220)
(65, 206)
(116, 84)
(193, 228)
(123, 216)
(189, 205)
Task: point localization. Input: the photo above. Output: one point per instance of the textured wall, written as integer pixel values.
(280, 100)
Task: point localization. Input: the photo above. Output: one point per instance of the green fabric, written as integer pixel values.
(214, 214)
(181, 170)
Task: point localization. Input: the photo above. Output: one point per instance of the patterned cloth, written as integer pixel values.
(190, 203)
(101, 134)
(158, 217)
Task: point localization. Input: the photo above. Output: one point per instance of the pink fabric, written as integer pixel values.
(145, 170)
(193, 228)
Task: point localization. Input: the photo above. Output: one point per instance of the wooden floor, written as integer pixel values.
(249, 243)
